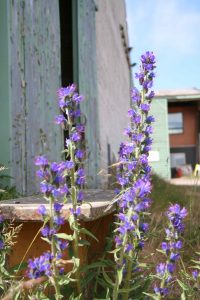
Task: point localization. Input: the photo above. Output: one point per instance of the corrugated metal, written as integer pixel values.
(161, 138)
(35, 77)
(86, 75)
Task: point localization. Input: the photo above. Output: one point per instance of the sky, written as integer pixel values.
(171, 29)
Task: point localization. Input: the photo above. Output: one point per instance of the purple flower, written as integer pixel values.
(40, 266)
(47, 232)
(135, 95)
(59, 220)
(69, 164)
(80, 176)
(129, 247)
(145, 107)
(160, 269)
(63, 92)
(171, 267)
(144, 227)
(75, 137)
(80, 196)
(54, 167)
(1, 219)
(174, 256)
(76, 212)
(45, 187)
(118, 240)
(79, 154)
(195, 274)
(150, 95)
(41, 161)
(60, 119)
(42, 210)
(1, 244)
(80, 128)
(63, 244)
(58, 206)
(77, 98)
(150, 119)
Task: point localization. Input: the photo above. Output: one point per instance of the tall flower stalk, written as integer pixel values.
(134, 179)
(69, 101)
(171, 249)
(62, 182)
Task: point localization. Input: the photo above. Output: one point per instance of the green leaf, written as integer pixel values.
(152, 296)
(120, 275)
(107, 278)
(183, 285)
(65, 236)
(46, 240)
(83, 243)
(183, 296)
(87, 232)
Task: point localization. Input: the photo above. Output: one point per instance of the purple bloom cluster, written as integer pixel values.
(134, 171)
(171, 247)
(40, 266)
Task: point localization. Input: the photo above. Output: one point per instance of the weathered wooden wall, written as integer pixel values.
(35, 77)
(86, 76)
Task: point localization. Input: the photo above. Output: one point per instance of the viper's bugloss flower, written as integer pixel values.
(40, 266)
(1, 244)
(57, 206)
(79, 154)
(58, 220)
(48, 232)
(60, 119)
(41, 161)
(42, 210)
(133, 174)
(76, 212)
(1, 219)
(195, 274)
(171, 246)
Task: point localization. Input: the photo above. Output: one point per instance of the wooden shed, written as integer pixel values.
(49, 43)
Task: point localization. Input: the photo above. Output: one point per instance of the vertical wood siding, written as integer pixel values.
(87, 81)
(35, 77)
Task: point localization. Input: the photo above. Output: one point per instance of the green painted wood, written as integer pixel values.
(4, 86)
(86, 73)
(161, 138)
(35, 77)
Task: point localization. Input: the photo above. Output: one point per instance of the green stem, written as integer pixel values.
(74, 204)
(53, 251)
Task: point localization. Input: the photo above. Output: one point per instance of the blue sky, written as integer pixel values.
(170, 28)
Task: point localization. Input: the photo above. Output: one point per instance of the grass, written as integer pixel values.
(164, 194)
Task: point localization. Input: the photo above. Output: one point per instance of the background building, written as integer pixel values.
(46, 44)
(177, 129)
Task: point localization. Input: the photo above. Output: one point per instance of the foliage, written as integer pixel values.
(6, 192)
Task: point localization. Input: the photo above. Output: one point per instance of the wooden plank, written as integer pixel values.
(35, 71)
(87, 82)
(25, 209)
(4, 85)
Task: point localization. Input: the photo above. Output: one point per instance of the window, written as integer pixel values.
(175, 123)
(177, 159)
